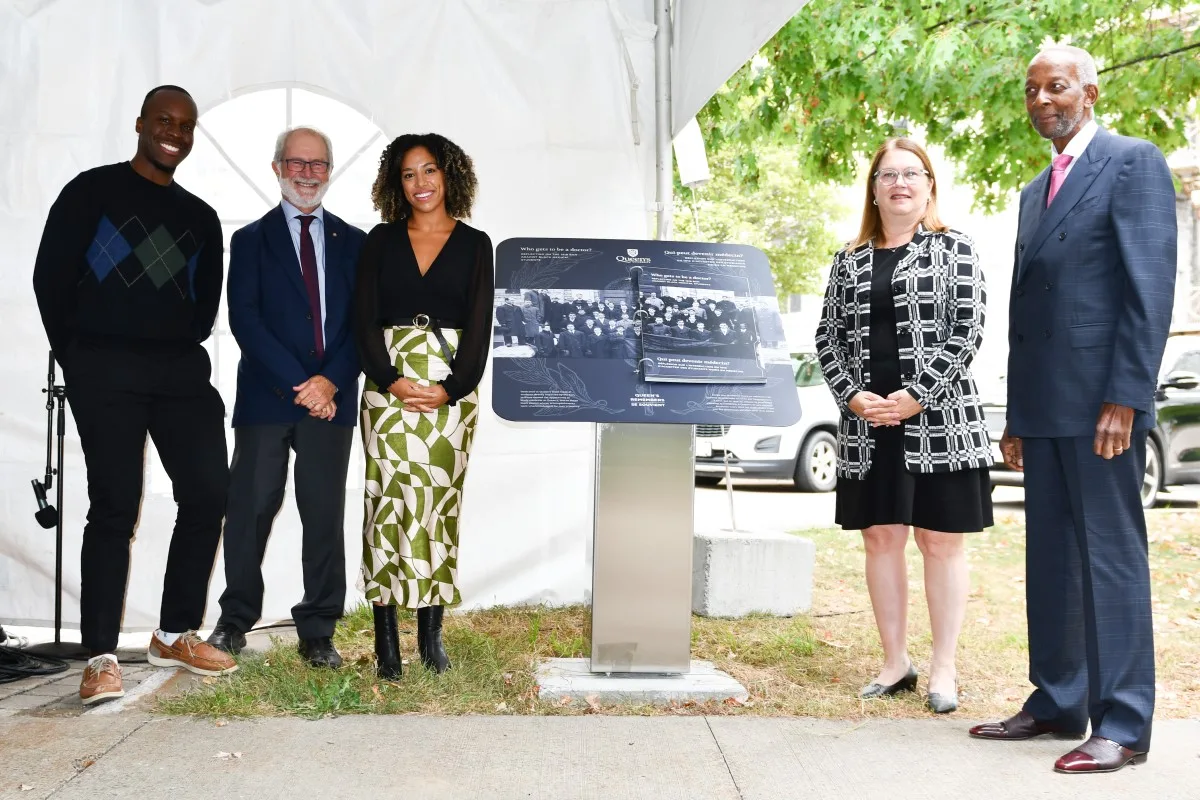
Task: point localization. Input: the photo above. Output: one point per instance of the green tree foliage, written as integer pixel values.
(843, 75)
(782, 214)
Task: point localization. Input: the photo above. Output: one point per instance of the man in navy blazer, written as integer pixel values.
(291, 289)
(1090, 310)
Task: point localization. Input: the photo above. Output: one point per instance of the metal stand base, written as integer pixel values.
(559, 678)
(642, 551)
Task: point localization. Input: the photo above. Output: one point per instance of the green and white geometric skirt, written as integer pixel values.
(416, 463)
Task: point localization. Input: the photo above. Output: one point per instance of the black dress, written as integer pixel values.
(950, 502)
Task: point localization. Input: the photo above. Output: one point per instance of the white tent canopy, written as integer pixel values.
(553, 99)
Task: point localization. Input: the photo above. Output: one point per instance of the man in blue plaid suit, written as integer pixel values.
(1090, 310)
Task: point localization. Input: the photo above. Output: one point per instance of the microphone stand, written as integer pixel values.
(57, 394)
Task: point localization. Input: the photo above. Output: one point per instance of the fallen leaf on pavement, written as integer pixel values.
(220, 723)
(25, 787)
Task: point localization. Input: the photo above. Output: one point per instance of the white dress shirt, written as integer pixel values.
(1076, 146)
(316, 230)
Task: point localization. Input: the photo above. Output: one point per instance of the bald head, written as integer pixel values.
(1077, 58)
(1061, 89)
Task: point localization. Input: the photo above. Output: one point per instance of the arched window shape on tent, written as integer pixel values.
(230, 169)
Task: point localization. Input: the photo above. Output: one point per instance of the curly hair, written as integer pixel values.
(457, 169)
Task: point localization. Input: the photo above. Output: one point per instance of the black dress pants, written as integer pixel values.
(258, 478)
(117, 396)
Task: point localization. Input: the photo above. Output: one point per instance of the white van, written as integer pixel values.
(804, 453)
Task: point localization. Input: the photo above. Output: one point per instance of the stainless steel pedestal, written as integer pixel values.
(642, 549)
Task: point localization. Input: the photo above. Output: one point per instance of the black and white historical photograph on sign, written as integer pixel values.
(562, 323)
(698, 328)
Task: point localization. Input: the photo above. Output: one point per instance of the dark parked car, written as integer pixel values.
(1173, 452)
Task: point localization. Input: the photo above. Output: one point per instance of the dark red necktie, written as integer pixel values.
(308, 267)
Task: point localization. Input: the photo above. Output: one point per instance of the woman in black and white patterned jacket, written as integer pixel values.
(902, 320)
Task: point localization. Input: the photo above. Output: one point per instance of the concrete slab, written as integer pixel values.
(46, 753)
(572, 677)
(499, 758)
(735, 573)
(922, 759)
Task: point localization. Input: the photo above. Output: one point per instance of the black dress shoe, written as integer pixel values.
(1098, 755)
(1020, 726)
(320, 652)
(429, 639)
(227, 638)
(387, 643)
(906, 684)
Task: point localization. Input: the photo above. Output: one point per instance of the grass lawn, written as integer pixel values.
(811, 665)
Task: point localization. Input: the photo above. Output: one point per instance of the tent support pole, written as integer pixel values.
(664, 173)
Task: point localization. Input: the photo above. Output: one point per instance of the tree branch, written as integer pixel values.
(1152, 57)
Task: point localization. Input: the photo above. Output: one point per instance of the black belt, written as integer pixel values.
(426, 322)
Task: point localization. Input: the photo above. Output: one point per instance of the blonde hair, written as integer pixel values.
(872, 223)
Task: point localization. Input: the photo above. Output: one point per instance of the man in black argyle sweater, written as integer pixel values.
(128, 280)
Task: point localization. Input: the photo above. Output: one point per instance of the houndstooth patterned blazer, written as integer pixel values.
(940, 303)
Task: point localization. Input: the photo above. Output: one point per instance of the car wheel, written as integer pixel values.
(708, 480)
(1152, 481)
(816, 465)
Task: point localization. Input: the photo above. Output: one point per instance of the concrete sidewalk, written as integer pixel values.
(135, 755)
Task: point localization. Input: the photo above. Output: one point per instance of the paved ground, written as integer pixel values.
(49, 746)
(134, 755)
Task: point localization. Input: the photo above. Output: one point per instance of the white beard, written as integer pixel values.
(290, 194)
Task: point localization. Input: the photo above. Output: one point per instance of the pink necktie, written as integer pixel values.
(1058, 173)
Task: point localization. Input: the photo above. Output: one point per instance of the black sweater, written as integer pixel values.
(128, 261)
(457, 289)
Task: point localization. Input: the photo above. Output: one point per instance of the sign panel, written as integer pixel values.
(571, 317)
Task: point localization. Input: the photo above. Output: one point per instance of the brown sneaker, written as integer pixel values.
(192, 653)
(101, 681)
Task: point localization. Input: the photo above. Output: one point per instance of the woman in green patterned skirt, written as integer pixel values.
(424, 311)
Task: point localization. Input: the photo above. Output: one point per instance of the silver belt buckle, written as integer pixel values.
(417, 321)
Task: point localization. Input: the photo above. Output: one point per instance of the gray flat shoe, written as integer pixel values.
(943, 703)
(906, 684)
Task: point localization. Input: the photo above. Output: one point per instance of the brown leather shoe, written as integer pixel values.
(192, 653)
(1098, 755)
(1021, 725)
(101, 681)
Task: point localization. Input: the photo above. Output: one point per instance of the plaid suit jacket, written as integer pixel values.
(940, 299)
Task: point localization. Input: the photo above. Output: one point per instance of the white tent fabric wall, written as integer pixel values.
(537, 91)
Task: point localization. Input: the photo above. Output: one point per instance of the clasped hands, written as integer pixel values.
(417, 397)
(316, 394)
(885, 411)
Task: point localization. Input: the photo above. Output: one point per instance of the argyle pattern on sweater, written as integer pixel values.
(133, 254)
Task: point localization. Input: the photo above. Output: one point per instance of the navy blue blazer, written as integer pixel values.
(1092, 290)
(270, 319)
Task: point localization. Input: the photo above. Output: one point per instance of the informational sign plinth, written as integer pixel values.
(646, 339)
(642, 559)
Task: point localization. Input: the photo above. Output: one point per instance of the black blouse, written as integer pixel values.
(457, 290)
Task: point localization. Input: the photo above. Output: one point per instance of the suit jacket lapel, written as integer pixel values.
(1033, 208)
(918, 245)
(1071, 192)
(336, 288)
(279, 240)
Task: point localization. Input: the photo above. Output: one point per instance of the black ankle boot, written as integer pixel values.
(387, 643)
(429, 638)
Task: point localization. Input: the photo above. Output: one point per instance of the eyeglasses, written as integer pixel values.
(298, 165)
(911, 175)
